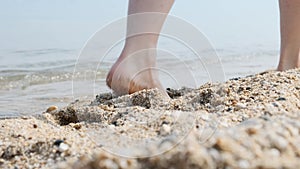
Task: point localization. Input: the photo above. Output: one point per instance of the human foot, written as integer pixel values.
(283, 67)
(134, 71)
(289, 61)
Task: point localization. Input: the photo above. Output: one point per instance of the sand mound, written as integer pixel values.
(250, 122)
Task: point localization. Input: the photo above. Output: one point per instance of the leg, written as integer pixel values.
(290, 34)
(132, 71)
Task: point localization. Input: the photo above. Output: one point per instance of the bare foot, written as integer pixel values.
(133, 72)
(286, 64)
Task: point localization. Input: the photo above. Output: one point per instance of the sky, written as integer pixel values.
(38, 24)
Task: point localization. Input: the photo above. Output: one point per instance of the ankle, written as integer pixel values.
(139, 54)
(286, 64)
(289, 59)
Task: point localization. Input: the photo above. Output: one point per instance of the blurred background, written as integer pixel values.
(41, 40)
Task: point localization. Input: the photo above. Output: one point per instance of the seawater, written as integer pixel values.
(30, 81)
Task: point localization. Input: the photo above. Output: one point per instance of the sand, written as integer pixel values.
(250, 122)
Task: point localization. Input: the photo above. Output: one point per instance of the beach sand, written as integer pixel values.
(250, 122)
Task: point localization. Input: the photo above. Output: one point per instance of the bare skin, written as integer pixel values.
(133, 71)
(290, 34)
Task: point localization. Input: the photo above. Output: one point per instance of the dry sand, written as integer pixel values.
(250, 122)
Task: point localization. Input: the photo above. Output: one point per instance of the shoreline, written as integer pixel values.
(250, 122)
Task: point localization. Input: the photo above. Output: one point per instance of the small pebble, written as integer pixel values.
(165, 130)
(240, 106)
(275, 152)
(58, 142)
(51, 108)
(108, 163)
(281, 99)
(205, 117)
(76, 126)
(251, 131)
(63, 147)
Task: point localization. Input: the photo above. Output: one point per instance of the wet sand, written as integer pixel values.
(250, 122)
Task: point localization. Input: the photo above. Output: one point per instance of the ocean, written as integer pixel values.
(31, 81)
